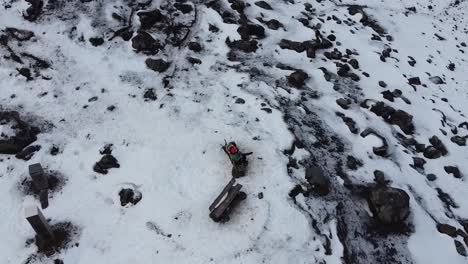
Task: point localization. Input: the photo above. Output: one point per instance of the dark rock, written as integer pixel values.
(451, 66)
(354, 63)
(437, 143)
(311, 52)
(54, 150)
(34, 10)
(390, 206)
(129, 196)
(418, 163)
(248, 31)
(26, 73)
(96, 41)
(331, 37)
(274, 24)
(394, 117)
(150, 95)
(246, 46)
(184, 8)
(436, 80)
(292, 45)
(460, 248)
(263, 5)
(379, 178)
(240, 101)
(431, 177)
(260, 195)
(460, 141)
(107, 149)
(388, 95)
(145, 43)
(414, 81)
(343, 103)
(432, 153)
(352, 163)
(193, 60)
(107, 162)
(149, 18)
(213, 28)
(298, 78)
(382, 84)
(19, 34)
(92, 99)
(195, 46)
(319, 183)
(296, 191)
(157, 65)
(267, 110)
(454, 171)
(447, 229)
(343, 70)
(24, 136)
(28, 152)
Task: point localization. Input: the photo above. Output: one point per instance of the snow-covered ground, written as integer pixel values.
(169, 146)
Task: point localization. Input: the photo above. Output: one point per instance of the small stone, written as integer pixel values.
(454, 171)
(107, 162)
(460, 141)
(447, 229)
(436, 80)
(150, 95)
(382, 84)
(298, 78)
(260, 195)
(129, 196)
(157, 65)
(184, 8)
(240, 101)
(354, 63)
(274, 24)
(432, 153)
(195, 46)
(414, 81)
(263, 5)
(460, 248)
(318, 181)
(431, 177)
(193, 60)
(343, 103)
(96, 41)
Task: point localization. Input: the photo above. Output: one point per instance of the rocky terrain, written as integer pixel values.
(354, 111)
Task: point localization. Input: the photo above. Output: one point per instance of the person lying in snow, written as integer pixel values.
(238, 159)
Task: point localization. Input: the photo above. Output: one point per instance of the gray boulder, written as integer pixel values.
(389, 205)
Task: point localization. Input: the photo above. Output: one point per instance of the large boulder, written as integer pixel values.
(145, 43)
(389, 205)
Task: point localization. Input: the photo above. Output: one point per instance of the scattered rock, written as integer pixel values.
(34, 10)
(193, 60)
(382, 84)
(414, 81)
(157, 65)
(96, 41)
(437, 143)
(19, 34)
(436, 80)
(247, 46)
(184, 8)
(28, 152)
(432, 153)
(195, 46)
(354, 63)
(394, 117)
(292, 45)
(418, 163)
(260, 195)
(149, 95)
(319, 183)
(460, 141)
(460, 248)
(447, 229)
(107, 162)
(240, 101)
(389, 205)
(145, 43)
(107, 149)
(298, 78)
(129, 196)
(454, 171)
(24, 133)
(431, 177)
(247, 31)
(149, 18)
(264, 5)
(343, 103)
(274, 24)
